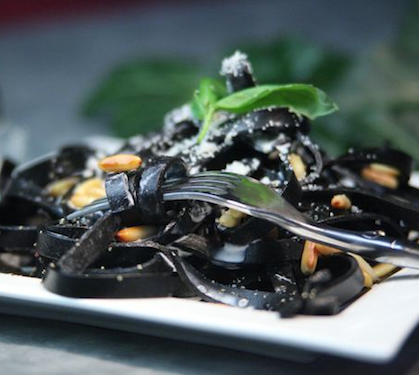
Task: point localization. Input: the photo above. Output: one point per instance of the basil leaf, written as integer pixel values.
(210, 91)
(206, 124)
(205, 100)
(302, 99)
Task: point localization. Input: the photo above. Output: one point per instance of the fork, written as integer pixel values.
(251, 197)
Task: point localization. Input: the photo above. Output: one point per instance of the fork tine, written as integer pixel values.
(215, 178)
(97, 205)
(203, 188)
(212, 180)
(175, 181)
(198, 179)
(207, 180)
(225, 176)
(204, 181)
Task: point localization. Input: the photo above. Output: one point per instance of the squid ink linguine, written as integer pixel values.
(149, 248)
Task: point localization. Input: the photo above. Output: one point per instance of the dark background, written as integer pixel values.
(53, 54)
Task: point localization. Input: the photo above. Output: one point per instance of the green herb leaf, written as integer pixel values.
(204, 103)
(206, 124)
(299, 98)
(209, 92)
(302, 99)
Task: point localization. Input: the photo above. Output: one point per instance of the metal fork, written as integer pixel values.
(250, 196)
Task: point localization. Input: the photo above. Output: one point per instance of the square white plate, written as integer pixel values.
(373, 328)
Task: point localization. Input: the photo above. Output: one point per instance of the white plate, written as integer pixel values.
(373, 328)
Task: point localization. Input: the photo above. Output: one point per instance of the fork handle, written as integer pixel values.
(383, 249)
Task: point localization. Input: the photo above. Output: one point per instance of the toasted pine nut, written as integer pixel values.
(326, 250)
(131, 234)
(341, 202)
(87, 192)
(79, 201)
(383, 269)
(96, 193)
(309, 258)
(384, 168)
(120, 163)
(227, 221)
(384, 179)
(366, 270)
(368, 281)
(87, 186)
(61, 187)
(298, 166)
(237, 214)
(231, 218)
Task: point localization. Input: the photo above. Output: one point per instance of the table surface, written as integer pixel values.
(32, 346)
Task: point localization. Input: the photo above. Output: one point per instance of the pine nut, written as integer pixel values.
(227, 221)
(231, 218)
(79, 201)
(384, 168)
(298, 166)
(120, 163)
(96, 193)
(237, 214)
(369, 275)
(61, 187)
(313, 250)
(326, 250)
(383, 269)
(90, 185)
(87, 192)
(131, 234)
(341, 202)
(384, 179)
(368, 281)
(309, 258)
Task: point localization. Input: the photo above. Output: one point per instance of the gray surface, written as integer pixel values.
(46, 70)
(29, 346)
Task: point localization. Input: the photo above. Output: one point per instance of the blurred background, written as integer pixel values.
(70, 69)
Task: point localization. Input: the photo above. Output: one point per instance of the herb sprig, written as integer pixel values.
(302, 99)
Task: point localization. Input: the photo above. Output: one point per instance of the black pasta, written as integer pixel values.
(197, 249)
